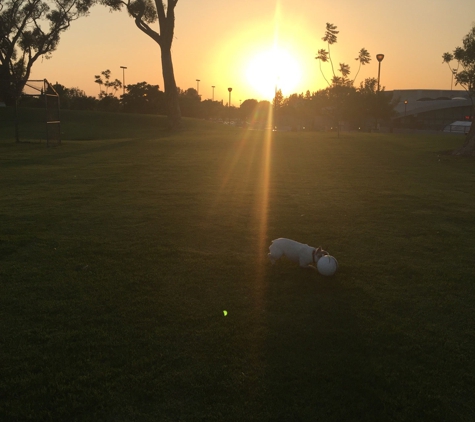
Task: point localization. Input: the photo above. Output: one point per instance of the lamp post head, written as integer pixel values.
(379, 57)
(230, 89)
(123, 67)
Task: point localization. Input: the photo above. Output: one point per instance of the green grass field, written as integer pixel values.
(121, 248)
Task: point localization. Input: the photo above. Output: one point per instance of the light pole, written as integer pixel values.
(123, 79)
(198, 86)
(229, 105)
(213, 91)
(380, 58)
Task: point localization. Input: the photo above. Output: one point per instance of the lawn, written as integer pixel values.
(121, 248)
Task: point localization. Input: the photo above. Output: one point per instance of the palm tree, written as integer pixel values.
(330, 38)
(322, 56)
(364, 58)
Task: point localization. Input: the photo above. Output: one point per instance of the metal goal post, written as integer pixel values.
(44, 90)
(45, 97)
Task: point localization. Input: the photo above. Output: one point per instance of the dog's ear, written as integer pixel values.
(321, 252)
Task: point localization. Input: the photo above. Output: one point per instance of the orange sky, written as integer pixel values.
(240, 44)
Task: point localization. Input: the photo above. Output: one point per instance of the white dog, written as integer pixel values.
(304, 255)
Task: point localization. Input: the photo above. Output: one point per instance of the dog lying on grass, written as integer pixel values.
(306, 256)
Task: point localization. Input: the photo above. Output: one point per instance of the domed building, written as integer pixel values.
(431, 109)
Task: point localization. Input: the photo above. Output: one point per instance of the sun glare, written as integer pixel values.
(271, 70)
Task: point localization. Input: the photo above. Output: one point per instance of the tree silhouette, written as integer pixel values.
(30, 29)
(145, 13)
(115, 84)
(465, 76)
(98, 80)
(248, 108)
(363, 58)
(324, 56)
(143, 98)
(330, 38)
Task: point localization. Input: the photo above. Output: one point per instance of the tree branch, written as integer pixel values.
(142, 25)
(147, 30)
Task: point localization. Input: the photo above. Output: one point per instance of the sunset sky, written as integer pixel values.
(252, 46)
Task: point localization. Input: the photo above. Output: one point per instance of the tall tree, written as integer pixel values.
(30, 29)
(465, 76)
(145, 13)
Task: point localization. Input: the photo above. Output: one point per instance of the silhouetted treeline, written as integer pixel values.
(337, 106)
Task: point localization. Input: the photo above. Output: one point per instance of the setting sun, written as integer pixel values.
(271, 70)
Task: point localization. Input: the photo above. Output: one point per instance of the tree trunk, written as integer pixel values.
(9, 89)
(468, 147)
(171, 91)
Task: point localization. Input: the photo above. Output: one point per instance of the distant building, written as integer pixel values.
(431, 108)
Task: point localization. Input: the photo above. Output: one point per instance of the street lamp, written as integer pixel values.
(123, 79)
(380, 58)
(198, 86)
(213, 91)
(229, 105)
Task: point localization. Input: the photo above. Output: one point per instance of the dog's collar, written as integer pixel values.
(313, 255)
